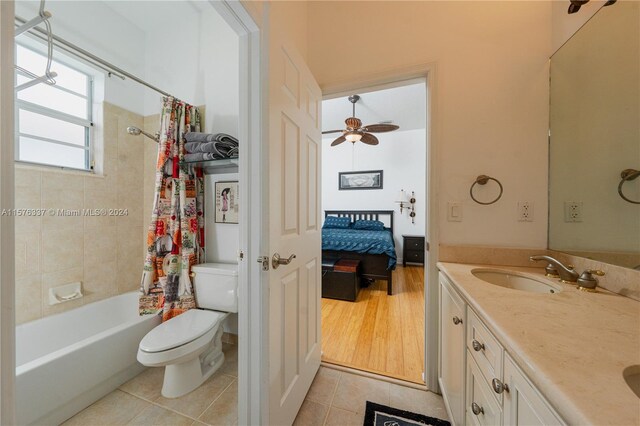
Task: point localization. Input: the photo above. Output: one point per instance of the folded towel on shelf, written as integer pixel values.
(219, 145)
(199, 137)
(200, 156)
(209, 137)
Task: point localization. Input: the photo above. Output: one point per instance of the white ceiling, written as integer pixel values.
(405, 106)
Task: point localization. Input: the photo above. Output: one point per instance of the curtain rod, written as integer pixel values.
(83, 54)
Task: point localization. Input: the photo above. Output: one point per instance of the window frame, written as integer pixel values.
(87, 123)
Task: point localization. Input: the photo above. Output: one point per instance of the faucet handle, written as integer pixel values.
(551, 271)
(587, 282)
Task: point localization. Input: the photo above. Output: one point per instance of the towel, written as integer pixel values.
(199, 156)
(209, 137)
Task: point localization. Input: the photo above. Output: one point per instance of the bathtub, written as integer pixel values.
(65, 362)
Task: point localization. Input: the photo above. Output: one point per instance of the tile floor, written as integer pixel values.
(138, 402)
(335, 398)
(339, 398)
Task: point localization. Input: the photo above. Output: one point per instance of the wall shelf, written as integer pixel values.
(225, 165)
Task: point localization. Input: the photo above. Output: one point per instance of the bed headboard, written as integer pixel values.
(385, 216)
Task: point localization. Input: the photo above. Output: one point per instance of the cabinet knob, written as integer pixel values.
(499, 387)
(477, 410)
(457, 320)
(477, 346)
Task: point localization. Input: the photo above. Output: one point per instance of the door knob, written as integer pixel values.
(456, 320)
(276, 260)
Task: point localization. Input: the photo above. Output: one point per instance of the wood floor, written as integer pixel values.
(379, 333)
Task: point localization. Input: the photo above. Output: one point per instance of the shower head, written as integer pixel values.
(135, 131)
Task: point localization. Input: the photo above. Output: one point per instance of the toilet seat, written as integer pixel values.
(181, 330)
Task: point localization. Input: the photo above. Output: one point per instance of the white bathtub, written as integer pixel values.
(66, 362)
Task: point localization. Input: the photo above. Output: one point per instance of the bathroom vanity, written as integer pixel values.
(544, 354)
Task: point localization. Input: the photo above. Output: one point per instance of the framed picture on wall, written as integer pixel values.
(227, 202)
(369, 179)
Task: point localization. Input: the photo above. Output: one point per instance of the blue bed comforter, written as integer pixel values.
(361, 241)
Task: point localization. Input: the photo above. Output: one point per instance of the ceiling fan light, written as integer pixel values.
(353, 136)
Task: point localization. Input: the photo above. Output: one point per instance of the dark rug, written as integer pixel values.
(381, 415)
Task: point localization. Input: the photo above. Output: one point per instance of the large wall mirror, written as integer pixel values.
(595, 136)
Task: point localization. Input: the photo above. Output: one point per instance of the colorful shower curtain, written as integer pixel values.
(175, 239)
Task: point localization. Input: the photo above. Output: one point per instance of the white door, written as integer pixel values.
(294, 229)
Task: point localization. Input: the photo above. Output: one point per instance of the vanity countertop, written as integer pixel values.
(572, 345)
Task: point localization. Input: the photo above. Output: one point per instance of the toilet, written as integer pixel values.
(189, 346)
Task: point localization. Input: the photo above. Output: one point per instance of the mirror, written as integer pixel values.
(594, 137)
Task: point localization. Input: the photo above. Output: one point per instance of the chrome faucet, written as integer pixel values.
(566, 273)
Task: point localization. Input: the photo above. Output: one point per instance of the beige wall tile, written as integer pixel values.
(99, 281)
(27, 253)
(62, 199)
(28, 298)
(62, 249)
(28, 193)
(55, 279)
(129, 258)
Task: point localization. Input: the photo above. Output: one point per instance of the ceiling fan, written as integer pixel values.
(355, 131)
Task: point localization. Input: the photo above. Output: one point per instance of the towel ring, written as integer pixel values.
(482, 180)
(627, 175)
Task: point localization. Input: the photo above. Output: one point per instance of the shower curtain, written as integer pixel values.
(175, 239)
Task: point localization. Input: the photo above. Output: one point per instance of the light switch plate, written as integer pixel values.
(454, 211)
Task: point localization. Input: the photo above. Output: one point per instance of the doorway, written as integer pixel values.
(371, 330)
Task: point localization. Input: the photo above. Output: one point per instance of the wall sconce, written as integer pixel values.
(407, 202)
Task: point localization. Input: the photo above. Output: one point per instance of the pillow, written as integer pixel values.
(335, 222)
(369, 225)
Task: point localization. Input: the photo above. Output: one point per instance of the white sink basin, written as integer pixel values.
(516, 281)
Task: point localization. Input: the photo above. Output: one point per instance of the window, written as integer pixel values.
(53, 123)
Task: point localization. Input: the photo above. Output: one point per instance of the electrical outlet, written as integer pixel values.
(525, 211)
(573, 211)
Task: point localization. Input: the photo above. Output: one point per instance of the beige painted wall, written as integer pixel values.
(491, 87)
(563, 25)
(104, 253)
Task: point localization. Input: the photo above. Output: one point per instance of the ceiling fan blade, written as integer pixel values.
(331, 131)
(338, 141)
(369, 139)
(381, 128)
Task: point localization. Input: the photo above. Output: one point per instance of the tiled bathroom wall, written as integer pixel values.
(105, 253)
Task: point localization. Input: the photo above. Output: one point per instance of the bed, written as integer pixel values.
(374, 249)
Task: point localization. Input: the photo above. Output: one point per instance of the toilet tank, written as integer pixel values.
(216, 286)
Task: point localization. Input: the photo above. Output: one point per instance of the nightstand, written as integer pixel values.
(412, 249)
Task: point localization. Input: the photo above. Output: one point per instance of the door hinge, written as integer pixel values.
(265, 262)
(427, 245)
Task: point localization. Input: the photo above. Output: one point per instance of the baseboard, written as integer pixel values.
(230, 338)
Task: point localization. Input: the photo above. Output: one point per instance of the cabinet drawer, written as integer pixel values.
(485, 350)
(479, 393)
(414, 256)
(414, 243)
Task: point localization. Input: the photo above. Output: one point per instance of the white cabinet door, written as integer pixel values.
(523, 404)
(452, 350)
(481, 407)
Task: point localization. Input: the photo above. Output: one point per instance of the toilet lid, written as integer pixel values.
(180, 330)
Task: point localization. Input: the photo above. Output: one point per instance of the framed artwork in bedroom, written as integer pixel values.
(227, 202)
(368, 179)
